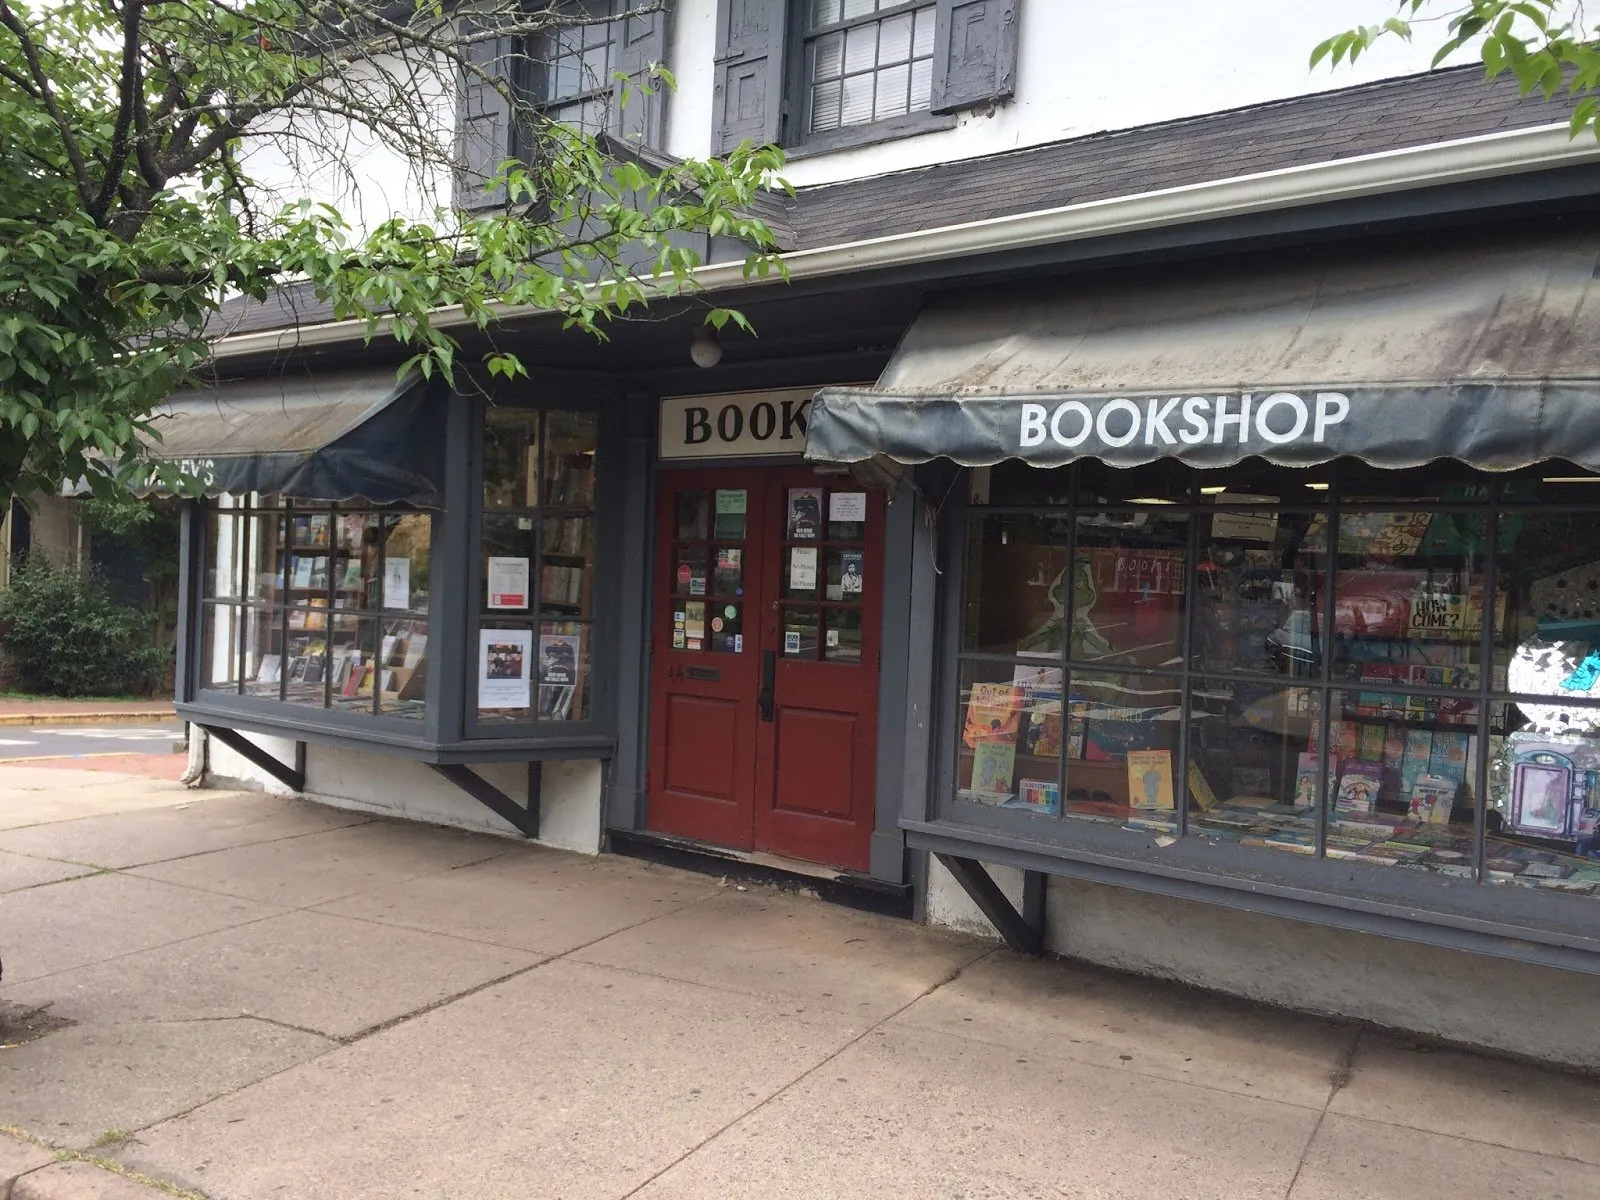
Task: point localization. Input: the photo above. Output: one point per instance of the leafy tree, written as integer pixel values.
(1543, 44)
(128, 212)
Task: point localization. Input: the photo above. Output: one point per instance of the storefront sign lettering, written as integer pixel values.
(742, 425)
(1271, 420)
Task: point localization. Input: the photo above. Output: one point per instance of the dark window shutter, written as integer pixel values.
(483, 127)
(750, 70)
(975, 58)
(641, 41)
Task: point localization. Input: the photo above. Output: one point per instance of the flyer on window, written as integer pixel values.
(397, 583)
(508, 583)
(505, 666)
(805, 514)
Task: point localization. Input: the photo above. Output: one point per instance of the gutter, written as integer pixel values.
(1518, 151)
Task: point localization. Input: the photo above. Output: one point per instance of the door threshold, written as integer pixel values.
(836, 886)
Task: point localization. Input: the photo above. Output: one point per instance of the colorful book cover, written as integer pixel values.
(993, 763)
(994, 713)
(1346, 741)
(1432, 797)
(1372, 743)
(1359, 786)
(1150, 779)
(1418, 753)
(1449, 755)
(1200, 790)
(1043, 735)
(1038, 795)
(1305, 778)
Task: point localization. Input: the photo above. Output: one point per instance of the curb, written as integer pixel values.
(118, 717)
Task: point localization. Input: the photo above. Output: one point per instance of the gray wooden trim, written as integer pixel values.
(448, 606)
(627, 799)
(191, 573)
(1389, 918)
(902, 642)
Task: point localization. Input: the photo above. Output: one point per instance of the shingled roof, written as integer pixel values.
(1415, 110)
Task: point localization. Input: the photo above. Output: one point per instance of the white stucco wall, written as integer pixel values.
(1467, 998)
(355, 168)
(570, 793)
(1086, 66)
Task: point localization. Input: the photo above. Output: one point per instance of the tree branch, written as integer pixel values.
(131, 94)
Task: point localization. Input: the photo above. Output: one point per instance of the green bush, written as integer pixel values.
(64, 635)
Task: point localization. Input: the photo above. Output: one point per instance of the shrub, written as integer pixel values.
(65, 635)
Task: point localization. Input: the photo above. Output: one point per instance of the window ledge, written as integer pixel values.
(1478, 919)
(388, 736)
(852, 136)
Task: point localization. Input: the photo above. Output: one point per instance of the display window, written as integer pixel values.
(536, 603)
(317, 605)
(1393, 669)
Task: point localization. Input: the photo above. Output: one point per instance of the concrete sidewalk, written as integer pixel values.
(258, 998)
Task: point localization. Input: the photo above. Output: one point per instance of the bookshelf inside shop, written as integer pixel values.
(538, 567)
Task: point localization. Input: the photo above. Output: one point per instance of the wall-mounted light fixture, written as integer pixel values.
(705, 350)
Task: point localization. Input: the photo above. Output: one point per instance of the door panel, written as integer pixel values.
(699, 732)
(814, 761)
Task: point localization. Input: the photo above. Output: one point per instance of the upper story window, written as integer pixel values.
(574, 72)
(820, 74)
(571, 70)
(867, 60)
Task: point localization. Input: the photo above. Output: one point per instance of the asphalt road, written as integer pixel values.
(22, 742)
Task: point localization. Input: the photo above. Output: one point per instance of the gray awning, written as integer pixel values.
(336, 436)
(1489, 355)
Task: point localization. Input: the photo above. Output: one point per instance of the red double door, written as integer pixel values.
(764, 663)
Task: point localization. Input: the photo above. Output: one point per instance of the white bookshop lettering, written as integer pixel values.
(1275, 419)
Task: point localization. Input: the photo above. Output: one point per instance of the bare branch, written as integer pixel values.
(131, 89)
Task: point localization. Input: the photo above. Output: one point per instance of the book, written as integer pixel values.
(270, 670)
(1432, 798)
(993, 713)
(1200, 790)
(1418, 753)
(302, 573)
(1043, 734)
(1150, 779)
(1346, 741)
(1371, 744)
(1449, 755)
(1305, 778)
(1359, 786)
(993, 763)
(1038, 795)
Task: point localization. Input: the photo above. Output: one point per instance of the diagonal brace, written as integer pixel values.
(292, 777)
(1023, 931)
(485, 793)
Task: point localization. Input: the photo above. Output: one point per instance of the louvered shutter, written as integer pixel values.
(640, 42)
(975, 59)
(483, 126)
(751, 37)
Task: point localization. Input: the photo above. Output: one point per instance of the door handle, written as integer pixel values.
(769, 669)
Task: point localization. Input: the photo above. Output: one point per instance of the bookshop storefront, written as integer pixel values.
(1274, 589)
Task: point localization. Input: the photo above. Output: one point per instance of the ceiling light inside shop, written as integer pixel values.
(1213, 491)
(1150, 500)
(1571, 479)
(1317, 487)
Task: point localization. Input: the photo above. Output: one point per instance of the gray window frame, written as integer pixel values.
(446, 735)
(798, 138)
(1526, 924)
